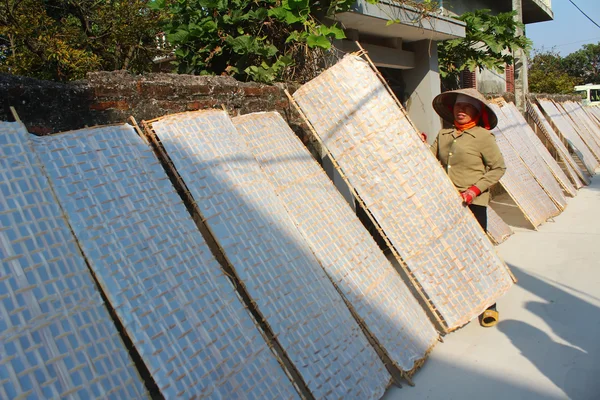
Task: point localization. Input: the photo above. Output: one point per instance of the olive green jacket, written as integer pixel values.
(472, 158)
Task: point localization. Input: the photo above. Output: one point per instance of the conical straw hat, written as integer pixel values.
(444, 102)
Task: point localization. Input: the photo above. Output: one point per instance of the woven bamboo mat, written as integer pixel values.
(543, 152)
(568, 131)
(406, 191)
(595, 113)
(179, 309)
(519, 181)
(498, 230)
(519, 134)
(273, 261)
(592, 120)
(537, 145)
(57, 339)
(580, 121)
(575, 173)
(345, 248)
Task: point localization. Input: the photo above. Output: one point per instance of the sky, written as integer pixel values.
(569, 30)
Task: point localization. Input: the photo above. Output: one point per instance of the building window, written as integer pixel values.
(468, 79)
(510, 78)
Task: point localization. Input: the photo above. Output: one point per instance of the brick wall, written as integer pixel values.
(111, 97)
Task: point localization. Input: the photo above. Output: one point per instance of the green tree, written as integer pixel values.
(65, 39)
(584, 63)
(547, 74)
(489, 43)
(251, 39)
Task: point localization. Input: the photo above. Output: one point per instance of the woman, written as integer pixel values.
(469, 154)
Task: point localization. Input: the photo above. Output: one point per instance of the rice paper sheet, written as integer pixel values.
(543, 152)
(594, 112)
(593, 122)
(519, 183)
(576, 175)
(519, 134)
(583, 126)
(271, 258)
(567, 129)
(57, 339)
(406, 190)
(498, 230)
(181, 312)
(347, 251)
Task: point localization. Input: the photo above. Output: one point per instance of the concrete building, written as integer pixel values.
(406, 51)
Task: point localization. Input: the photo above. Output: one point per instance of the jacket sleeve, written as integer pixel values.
(434, 146)
(494, 162)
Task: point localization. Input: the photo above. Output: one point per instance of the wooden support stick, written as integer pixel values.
(14, 114)
(138, 130)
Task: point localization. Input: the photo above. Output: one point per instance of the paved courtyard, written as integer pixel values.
(547, 344)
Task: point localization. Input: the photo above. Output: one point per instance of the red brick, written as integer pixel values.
(39, 130)
(282, 104)
(105, 105)
(252, 91)
(202, 104)
(154, 91)
(262, 90)
(107, 90)
(171, 105)
(193, 90)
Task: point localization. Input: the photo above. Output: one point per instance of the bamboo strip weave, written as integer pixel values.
(262, 244)
(595, 113)
(594, 122)
(580, 121)
(543, 152)
(405, 189)
(345, 248)
(590, 121)
(568, 131)
(519, 182)
(575, 173)
(179, 309)
(57, 339)
(519, 135)
(496, 227)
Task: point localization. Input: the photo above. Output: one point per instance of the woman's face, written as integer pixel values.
(464, 113)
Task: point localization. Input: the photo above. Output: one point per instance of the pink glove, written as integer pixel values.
(470, 194)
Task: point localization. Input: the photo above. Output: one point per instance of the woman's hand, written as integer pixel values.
(469, 195)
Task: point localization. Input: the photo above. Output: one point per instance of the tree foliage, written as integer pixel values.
(65, 39)
(489, 43)
(547, 74)
(584, 64)
(251, 39)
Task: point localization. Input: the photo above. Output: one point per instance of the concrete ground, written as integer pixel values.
(547, 344)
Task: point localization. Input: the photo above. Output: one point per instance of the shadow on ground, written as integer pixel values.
(573, 365)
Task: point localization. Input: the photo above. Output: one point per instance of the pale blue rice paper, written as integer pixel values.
(518, 180)
(180, 310)
(271, 258)
(345, 248)
(57, 339)
(567, 129)
(406, 191)
(515, 129)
